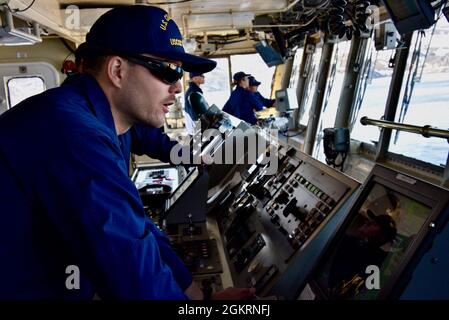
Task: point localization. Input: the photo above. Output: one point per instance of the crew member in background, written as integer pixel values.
(195, 105)
(253, 87)
(242, 103)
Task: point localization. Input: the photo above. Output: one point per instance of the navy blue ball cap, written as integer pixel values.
(253, 81)
(195, 74)
(239, 76)
(140, 29)
(80, 52)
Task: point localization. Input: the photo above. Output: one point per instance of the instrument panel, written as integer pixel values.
(272, 218)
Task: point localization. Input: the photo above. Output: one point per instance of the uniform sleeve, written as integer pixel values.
(199, 104)
(255, 102)
(152, 142)
(156, 144)
(228, 107)
(96, 209)
(266, 102)
(182, 275)
(269, 102)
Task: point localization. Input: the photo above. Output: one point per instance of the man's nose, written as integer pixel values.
(176, 87)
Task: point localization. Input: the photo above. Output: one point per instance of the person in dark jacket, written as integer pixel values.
(253, 87)
(242, 103)
(194, 103)
(139, 139)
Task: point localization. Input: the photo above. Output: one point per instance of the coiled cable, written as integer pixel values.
(361, 16)
(336, 25)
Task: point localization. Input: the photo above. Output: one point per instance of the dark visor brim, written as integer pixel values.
(190, 62)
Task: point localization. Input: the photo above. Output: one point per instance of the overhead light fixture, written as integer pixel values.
(11, 36)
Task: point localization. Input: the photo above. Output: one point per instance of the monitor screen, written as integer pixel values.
(410, 15)
(403, 10)
(379, 234)
(269, 55)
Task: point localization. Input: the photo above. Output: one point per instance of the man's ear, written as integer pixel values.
(115, 70)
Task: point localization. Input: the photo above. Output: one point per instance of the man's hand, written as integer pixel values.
(233, 293)
(193, 292)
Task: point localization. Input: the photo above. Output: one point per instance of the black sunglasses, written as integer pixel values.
(168, 72)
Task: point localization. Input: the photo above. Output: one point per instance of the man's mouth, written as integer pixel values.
(166, 107)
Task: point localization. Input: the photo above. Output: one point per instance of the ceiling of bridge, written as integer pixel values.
(233, 20)
(193, 15)
(231, 23)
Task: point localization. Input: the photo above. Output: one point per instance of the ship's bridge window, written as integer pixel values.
(310, 89)
(254, 65)
(332, 95)
(295, 69)
(373, 94)
(21, 88)
(21, 80)
(216, 87)
(425, 96)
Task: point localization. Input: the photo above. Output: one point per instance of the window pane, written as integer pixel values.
(216, 87)
(375, 99)
(295, 69)
(428, 103)
(310, 87)
(333, 91)
(254, 65)
(24, 87)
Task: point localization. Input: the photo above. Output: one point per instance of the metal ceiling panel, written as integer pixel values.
(192, 16)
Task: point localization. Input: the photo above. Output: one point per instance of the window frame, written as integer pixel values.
(7, 88)
(44, 69)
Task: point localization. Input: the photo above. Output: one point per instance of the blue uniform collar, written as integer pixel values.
(195, 87)
(239, 88)
(98, 103)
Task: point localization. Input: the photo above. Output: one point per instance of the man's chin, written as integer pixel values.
(158, 123)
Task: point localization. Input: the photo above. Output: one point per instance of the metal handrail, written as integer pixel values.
(426, 131)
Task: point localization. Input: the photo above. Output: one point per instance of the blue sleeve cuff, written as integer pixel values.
(182, 276)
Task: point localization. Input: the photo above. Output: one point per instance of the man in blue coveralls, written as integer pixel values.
(242, 103)
(66, 200)
(139, 139)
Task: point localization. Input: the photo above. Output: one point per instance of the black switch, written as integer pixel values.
(283, 231)
(275, 219)
(282, 198)
(330, 202)
(291, 208)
